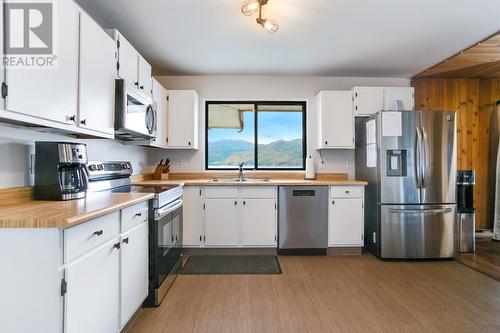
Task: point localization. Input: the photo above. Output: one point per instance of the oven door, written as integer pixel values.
(168, 221)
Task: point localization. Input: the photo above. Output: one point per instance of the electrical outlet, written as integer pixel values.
(374, 238)
(183, 163)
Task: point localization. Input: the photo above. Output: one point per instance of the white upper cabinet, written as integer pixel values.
(183, 119)
(160, 96)
(368, 100)
(335, 120)
(132, 67)
(50, 93)
(145, 80)
(97, 77)
(399, 98)
(128, 60)
(2, 72)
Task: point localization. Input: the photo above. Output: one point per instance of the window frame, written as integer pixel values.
(256, 129)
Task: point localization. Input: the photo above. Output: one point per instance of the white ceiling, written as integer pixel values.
(386, 38)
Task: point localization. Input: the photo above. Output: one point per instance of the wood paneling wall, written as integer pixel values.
(473, 100)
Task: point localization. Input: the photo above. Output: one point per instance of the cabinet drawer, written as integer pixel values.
(258, 192)
(215, 192)
(346, 192)
(86, 236)
(134, 215)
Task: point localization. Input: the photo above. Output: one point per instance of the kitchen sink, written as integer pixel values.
(238, 180)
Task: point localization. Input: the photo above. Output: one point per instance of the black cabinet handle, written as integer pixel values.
(176, 238)
(137, 83)
(200, 238)
(72, 118)
(98, 233)
(244, 203)
(142, 87)
(236, 203)
(347, 192)
(333, 202)
(125, 240)
(83, 122)
(189, 143)
(117, 246)
(326, 142)
(138, 214)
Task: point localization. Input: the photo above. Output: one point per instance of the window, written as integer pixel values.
(262, 135)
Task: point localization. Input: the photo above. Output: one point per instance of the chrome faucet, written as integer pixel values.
(240, 171)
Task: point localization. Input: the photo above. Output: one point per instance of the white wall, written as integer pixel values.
(17, 144)
(269, 88)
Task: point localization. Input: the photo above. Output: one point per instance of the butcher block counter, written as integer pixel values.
(64, 214)
(253, 179)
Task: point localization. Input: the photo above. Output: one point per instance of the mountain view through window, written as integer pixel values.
(260, 135)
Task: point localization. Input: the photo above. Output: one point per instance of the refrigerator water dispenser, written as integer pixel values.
(396, 163)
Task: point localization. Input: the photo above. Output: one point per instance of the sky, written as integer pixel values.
(273, 126)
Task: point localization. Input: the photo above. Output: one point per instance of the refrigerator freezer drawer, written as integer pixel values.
(417, 231)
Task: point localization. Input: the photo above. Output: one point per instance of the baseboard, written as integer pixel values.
(344, 251)
(200, 251)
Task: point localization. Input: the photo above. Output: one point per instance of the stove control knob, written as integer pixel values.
(92, 167)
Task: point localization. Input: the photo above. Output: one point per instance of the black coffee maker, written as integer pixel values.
(60, 170)
(466, 214)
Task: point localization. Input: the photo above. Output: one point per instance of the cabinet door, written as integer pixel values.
(258, 222)
(160, 98)
(368, 100)
(221, 222)
(128, 59)
(183, 119)
(399, 98)
(145, 80)
(97, 77)
(92, 298)
(133, 271)
(2, 71)
(51, 93)
(337, 119)
(193, 216)
(345, 222)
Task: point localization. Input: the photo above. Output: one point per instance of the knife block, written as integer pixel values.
(161, 172)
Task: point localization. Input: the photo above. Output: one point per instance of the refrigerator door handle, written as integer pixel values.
(421, 211)
(418, 156)
(425, 159)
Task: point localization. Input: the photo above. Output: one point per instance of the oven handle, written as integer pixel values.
(160, 213)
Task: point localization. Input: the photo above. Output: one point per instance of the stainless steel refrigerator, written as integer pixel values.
(409, 159)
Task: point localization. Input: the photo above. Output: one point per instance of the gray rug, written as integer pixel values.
(216, 265)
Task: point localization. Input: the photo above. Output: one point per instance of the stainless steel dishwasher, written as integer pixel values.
(303, 220)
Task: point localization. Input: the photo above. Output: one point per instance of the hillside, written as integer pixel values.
(234, 152)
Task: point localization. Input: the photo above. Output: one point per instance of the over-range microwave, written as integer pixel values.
(135, 113)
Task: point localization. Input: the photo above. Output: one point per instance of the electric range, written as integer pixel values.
(165, 222)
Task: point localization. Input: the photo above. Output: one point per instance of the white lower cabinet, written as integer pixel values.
(221, 222)
(192, 211)
(346, 217)
(92, 299)
(230, 216)
(133, 270)
(258, 222)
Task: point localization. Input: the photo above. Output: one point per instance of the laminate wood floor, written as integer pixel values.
(332, 294)
(486, 259)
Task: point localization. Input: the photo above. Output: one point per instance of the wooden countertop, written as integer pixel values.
(66, 214)
(272, 182)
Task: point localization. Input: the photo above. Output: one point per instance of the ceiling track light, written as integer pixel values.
(250, 7)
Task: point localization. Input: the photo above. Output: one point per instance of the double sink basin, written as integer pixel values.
(238, 180)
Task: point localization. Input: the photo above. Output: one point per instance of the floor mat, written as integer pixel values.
(216, 265)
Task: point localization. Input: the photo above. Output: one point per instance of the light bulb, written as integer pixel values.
(250, 7)
(270, 26)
